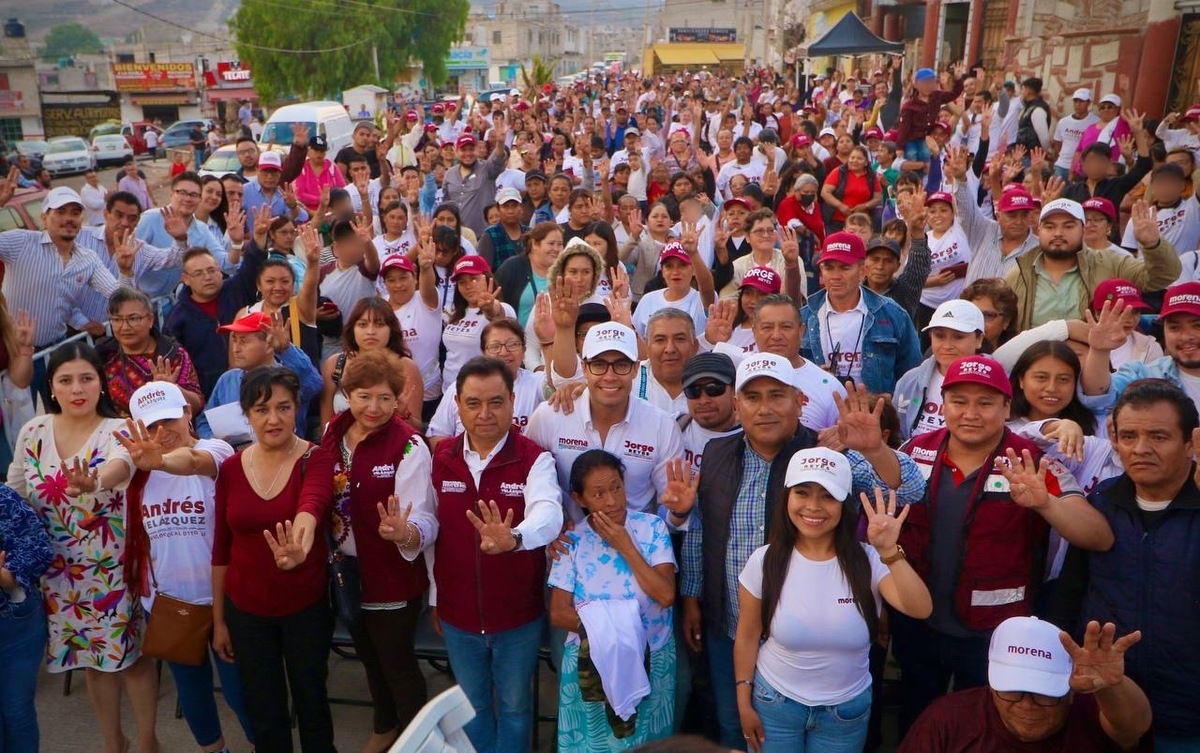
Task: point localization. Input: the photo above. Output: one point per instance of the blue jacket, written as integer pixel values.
(1147, 581)
(890, 343)
(229, 387)
(910, 393)
(1163, 368)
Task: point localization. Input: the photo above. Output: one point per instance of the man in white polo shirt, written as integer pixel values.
(607, 417)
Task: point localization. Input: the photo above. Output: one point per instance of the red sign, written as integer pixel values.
(12, 100)
(233, 72)
(154, 76)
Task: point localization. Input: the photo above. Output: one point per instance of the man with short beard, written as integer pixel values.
(1056, 280)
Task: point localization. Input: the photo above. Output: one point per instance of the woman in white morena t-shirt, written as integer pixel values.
(949, 252)
(170, 523)
(813, 591)
(955, 331)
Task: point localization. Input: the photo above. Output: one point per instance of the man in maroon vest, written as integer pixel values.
(981, 542)
(499, 504)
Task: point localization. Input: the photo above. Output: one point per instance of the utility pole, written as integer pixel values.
(375, 60)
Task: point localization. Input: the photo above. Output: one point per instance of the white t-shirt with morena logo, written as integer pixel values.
(422, 328)
(462, 340)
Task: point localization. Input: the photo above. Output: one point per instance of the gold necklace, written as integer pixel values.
(291, 449)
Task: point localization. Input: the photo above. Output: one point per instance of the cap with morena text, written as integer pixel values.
(1183, 298)
(1027, 656)
(843, 247)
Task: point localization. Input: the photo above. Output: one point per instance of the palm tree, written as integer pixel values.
(540, 73)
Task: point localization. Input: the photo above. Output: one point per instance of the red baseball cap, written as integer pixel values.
(1101, 205)
(942, 196)
(252, 322)
(674, 250)
(1193, 113)
(1183, 298)
(763, 279)
(943, 125)
(471, 264)
(978, 370)
(738, 201)
(874, 132)
(801, 140)
(412, 116)
(430, 128)
(847, 248)
(397, 261)
(465, 140)
(1015, 201)
(438, 108)
(1116, 289)
(521, 106)
(892, 135)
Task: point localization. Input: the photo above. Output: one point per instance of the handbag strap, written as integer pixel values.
(294, 315)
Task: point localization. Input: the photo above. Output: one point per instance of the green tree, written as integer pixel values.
(325, 46)
(539, 73)
(66, 40)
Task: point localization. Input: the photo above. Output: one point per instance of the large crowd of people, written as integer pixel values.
(728, 393)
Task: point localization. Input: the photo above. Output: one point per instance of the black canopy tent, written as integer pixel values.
(850, 36)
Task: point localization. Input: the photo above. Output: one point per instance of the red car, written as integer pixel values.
(135, 134)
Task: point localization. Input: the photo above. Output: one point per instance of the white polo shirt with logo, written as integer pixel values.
(527, 396)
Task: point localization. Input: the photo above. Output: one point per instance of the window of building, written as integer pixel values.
(496, 37)
(3, 82)
(10, 129)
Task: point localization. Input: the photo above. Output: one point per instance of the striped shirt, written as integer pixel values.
(36, 280)
(94, 306)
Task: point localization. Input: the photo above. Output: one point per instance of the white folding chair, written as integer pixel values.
(438, 727)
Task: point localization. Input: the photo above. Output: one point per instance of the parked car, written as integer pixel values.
(68, 154)
(23, 210)
(135, 134)
(34, 148)
(221, 162)
(328, 119)
(176, 135)
(107, 128)
(111, 149)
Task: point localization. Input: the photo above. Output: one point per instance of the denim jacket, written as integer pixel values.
(1163, 368)
(890, 344)
(909, 397)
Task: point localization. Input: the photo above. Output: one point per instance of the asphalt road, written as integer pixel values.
(157, 172)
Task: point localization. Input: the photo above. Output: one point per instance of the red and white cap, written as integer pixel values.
(1116, 289)
(1015, 201)
(844, 247)
(471, 264)
(1101, 205)
(978, 370)
(874, 132)
(763, 279)
(397, 261)
(270, 160)
(1193, 113)
(438, 108)
(674, 250)
(1183, 298)
(821, 465)
(801, 140)
(412, 116)
(1026, 656)
(943, 125)
(465, 140)
(156, 401)
(943, 196)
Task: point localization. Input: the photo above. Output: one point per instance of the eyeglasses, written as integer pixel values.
(187, 194)
(763, 232)
(207, 272)
(508, 346)
(1016, 696)
(133, 320)
(712, 389)
(620, 368)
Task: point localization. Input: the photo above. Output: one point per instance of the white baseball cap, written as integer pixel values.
(507, 194)
(61, 197)
(765, 365)
(610, 336)
(1084, 95)
(957, 314)
(156, 401)
(827, 132)
(823, 466)
(1066, 206)
(1026, 656)
(1111, 99)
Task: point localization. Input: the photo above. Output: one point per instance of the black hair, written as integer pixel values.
(242, 139)
(122, 197)
(259, 383)
(483, 366)
(79, 351)
(275, 263)
(743, 141)
(187, 176)
(217, 215)
(354, 157)
(1098, 148)
(1074, 410)
(1143, 393)
(341, 230)
(590, 461)
(1033, 83)
(380, 310)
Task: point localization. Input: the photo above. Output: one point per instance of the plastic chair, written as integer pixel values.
(438, 727)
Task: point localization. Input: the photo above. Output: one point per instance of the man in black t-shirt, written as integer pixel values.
(363, 136)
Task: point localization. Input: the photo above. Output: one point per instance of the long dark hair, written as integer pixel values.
(217, 215)
(79, 351)
(610, 253)
(1074, 410)
(781, 542)
(381, 311)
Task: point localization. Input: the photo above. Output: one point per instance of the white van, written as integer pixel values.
(328, 119)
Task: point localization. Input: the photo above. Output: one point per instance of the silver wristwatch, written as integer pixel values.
(517, 537)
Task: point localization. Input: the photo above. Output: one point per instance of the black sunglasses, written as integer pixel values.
(712, 389)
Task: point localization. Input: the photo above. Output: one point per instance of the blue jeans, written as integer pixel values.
(495, 670)
(724, 687)
(197, 698)
(22, 647)
(1165, 744)
(916, 150)
(792, 727)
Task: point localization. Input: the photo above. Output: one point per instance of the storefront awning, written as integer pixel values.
(142, 100)
(683, 55)
(225, 95)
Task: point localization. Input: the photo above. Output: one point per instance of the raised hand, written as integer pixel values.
(1145, 224)
(1026, 479)
(300, 133)
(1100, 662)
(80, 478)
(1135, 119)
(9, 185)
(24, 327)
(363, 228)
(235, 223)
(279, 335)
(174, 223)
(145, 450)
(858, 422)
(262, 224)
(883, 523)
(915, 216)
(426, 252)
(489, 300)
(958, 163)
(721, 314)
(689, 237)
(563, 303)
(635, 223)
(1069, 438)
(789, 246)
(1037, 158)
(682, 484)
(165, 370)
(1106, 332)
(495, 530)
(1125, 147)
(287, 545)
(543, 320)
(310, 238)
(393, 522)
(125, 250)
(1053, 189)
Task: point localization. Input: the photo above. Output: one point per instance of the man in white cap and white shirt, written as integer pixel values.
(1070, 130)
(46, 272)
(1045, 693)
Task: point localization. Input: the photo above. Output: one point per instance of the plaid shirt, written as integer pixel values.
(503, 247)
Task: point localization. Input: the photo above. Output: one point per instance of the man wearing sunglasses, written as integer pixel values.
(1047, 693)
(708, 386)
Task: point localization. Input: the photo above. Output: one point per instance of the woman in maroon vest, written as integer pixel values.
(384, 515)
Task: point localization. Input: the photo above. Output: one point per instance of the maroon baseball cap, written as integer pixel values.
(1101, 205)
(471, 264)
(430, 128)
(893, 135)
(412, 116)
(801, 140)
(978, 370)
(874, 132)
(847, 248)
(465, 140)
(738, 201)
(674, 250)
(1116, 289)
(763, 279)
(1193, 113)
(438, 108)
(1015, 201)
(942, 196)
(943, 125)
(1183, 298)
(397, 261)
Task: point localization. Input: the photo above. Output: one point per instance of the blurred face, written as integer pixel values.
(1029, 722)
(578, 271)
(941, 216)
(724, 140)
(669, 344)
(1181, 339)
(90, 177)
(610, 389)
(274, 419)
(948, 345)
(880, 268)
(122, 217)
(249, 350)
(362, 138)
(130, 168)
(1096, 166)
(1061, 236)
(131, 327)
(1048, 386)
(604, 492)
(1167, 189)
(360, 172)
(203, 276)
(505, 345)
(63, 223)
(275, 285)
(75, 386)
(768, 411)
(813, 510)
(777, 330)
(994, 323)
(388, 196)
(1151, 444)
(841, 280)
(372, 406)
(975, 415)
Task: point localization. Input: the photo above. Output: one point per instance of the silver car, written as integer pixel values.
(68, 154)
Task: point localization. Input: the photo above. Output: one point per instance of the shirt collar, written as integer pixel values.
(469, 454)
(583, 405)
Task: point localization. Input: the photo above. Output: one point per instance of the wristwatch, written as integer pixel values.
(518, 538)
(895, 556)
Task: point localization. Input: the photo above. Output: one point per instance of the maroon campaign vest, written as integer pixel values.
(477, 592)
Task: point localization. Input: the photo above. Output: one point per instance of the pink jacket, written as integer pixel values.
(308, 184)
(1092, 135)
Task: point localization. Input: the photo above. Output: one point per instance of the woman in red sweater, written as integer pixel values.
(384, 514)
(270, 605)
(851, 188)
